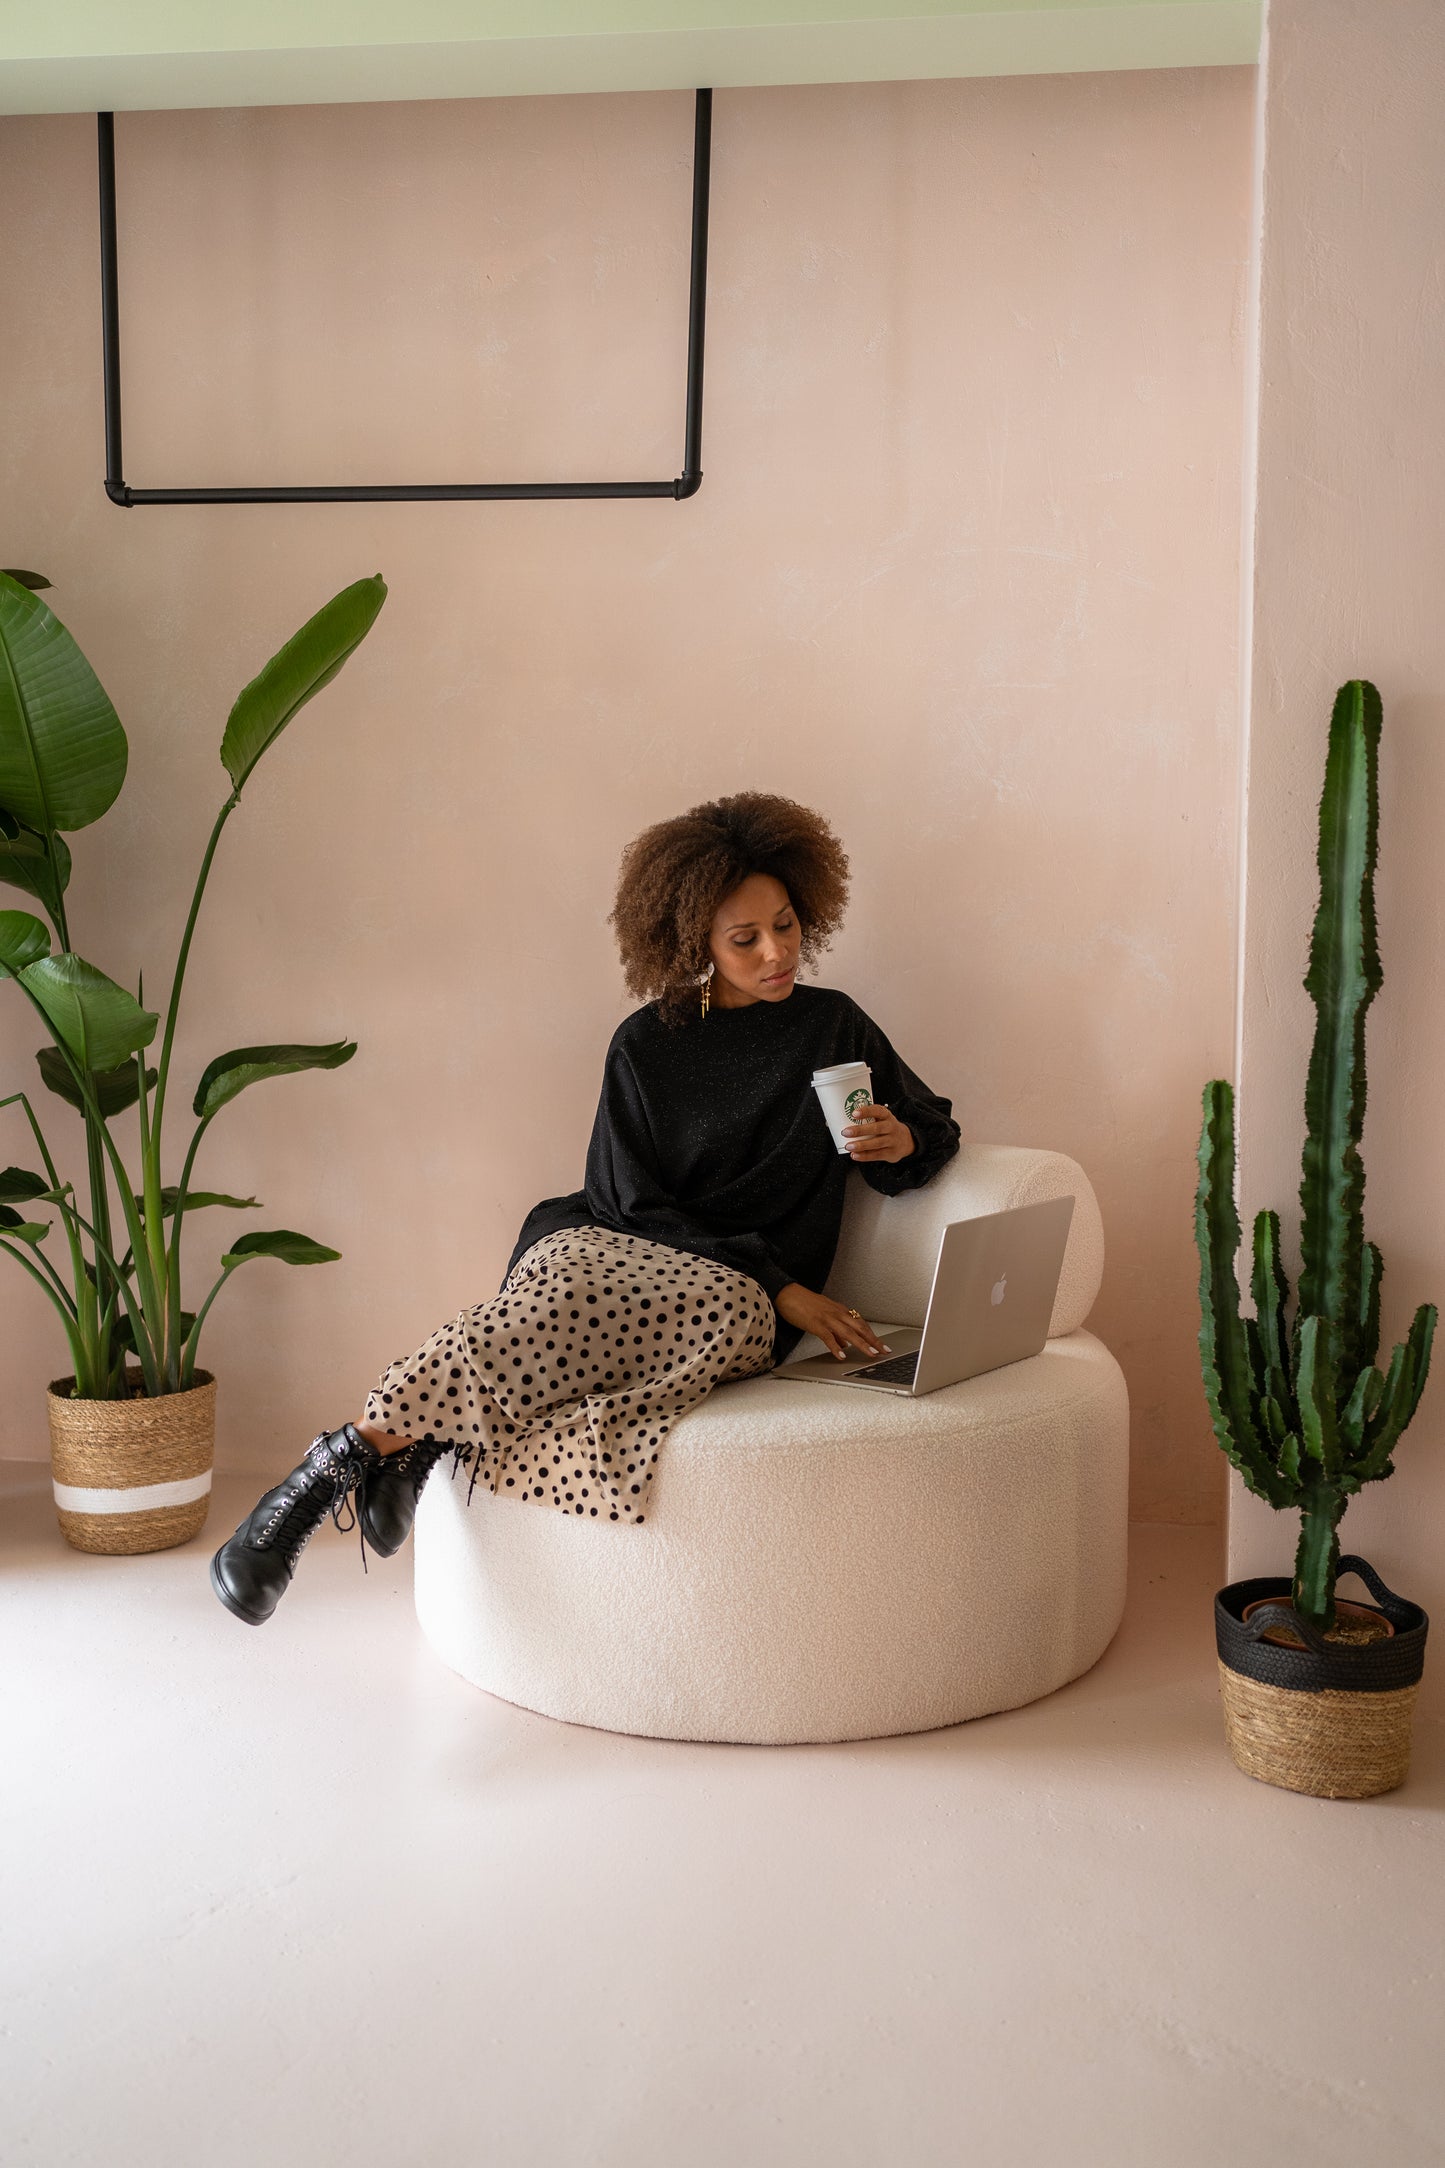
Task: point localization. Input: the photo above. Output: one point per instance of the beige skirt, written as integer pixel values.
(562, 1387)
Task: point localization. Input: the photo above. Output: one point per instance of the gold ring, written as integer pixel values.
(855, 1313)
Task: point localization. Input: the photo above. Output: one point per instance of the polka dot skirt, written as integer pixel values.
(561, 1388)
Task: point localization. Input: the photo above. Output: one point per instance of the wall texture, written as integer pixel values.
(1347, 584)
(963, 573)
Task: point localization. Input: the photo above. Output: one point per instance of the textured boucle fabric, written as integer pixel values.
(887, 1248)
(817, 1564)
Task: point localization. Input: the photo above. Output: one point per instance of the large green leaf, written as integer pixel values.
(229, 1074)
(62, 750)
(18, 1185)
(26, 862)
(96, 1019)
(23, 942)
(115, 1089)
(196, 1200)
(292, 1249)
(309, 660)
(21, 1230)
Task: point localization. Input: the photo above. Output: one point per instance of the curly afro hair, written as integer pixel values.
(676, 873)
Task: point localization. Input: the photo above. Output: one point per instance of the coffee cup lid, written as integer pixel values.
(842, 1068)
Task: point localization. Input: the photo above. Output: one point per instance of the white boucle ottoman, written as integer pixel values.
(819, 1564)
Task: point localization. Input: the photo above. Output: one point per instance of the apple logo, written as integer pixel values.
(1000, 1289)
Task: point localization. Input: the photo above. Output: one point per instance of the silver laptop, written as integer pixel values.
(991, 1301)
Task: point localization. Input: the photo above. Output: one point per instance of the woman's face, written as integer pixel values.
(754, 943)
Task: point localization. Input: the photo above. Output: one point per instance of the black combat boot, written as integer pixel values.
(387, 1494)
(252, 1572)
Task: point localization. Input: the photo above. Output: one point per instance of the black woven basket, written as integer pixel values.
(1371, 1667)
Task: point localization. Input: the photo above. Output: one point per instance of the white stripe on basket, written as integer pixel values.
(144, 1499)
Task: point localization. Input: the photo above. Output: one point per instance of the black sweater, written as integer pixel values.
(709, 1137)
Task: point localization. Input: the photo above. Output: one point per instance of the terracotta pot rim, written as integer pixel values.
(1344, 1608)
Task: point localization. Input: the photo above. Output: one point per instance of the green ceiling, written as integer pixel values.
(137, 54)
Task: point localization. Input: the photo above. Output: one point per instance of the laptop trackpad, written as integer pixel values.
(899, 1339)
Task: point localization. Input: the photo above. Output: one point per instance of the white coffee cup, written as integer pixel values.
(841, 1091)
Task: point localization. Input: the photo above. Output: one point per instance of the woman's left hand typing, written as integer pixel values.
(876, 1133)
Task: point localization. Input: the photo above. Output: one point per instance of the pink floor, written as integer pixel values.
(300, 1896)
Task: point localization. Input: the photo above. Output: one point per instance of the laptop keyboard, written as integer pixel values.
(898, 1370)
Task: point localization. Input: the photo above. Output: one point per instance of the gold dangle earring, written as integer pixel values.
(707, 987)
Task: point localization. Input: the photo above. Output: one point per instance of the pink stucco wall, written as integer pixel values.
(963, 573)
(1347, 583)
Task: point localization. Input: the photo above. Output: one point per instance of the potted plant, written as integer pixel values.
(133, 1424)
(1318, 1695)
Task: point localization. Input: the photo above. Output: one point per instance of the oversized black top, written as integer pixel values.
(709, 1137)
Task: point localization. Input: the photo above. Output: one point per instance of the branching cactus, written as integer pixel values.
(1297, 1400)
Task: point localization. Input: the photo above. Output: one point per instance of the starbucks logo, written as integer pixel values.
(854, 1100)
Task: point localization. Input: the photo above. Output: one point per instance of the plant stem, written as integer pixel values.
(140, 1320)
(58, 918)
(154, 1219)
(92, 1338)
(54, 1278)
(1317, 1559)
(164, 1065)
(76, 1349)
(188, 1354)
(173, 1263)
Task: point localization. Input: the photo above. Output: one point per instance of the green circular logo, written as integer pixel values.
(854, 1100)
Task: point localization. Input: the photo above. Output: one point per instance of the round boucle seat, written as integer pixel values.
(818, 1564)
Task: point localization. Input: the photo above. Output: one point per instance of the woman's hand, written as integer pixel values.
(835, 1324)
(878, 1134)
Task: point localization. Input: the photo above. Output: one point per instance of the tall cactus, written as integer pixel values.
(1300, 1408)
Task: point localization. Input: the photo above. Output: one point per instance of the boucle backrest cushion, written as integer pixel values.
(889, 1245)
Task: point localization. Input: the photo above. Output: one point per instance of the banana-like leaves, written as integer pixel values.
(27, 862)
(26, 579)
(196, 1200)
(229, 1074)
(98, 1021)
(309, 660)
(18, 1185)
(291, 1249)
(115, 1089)
(62, 749)
(19, 1230)
(23, 941)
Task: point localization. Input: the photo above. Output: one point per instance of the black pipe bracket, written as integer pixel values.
(683, 485)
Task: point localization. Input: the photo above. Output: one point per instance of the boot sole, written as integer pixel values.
(249, 1618)
(380, 1549)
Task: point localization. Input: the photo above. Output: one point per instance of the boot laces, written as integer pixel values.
(296, 1519)
(416, 1461)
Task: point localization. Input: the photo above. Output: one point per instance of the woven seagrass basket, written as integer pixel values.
(135, 1474)
(1314, 1714)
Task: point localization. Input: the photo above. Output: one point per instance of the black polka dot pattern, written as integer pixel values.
(561, 1388)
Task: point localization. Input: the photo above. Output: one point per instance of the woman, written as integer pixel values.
(706, 1228)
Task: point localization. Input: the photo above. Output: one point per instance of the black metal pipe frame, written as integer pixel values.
(685, 484)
